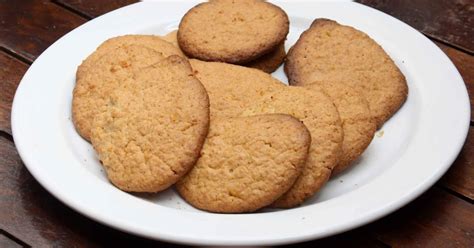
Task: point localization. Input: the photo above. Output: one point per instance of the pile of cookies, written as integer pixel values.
(198, 109)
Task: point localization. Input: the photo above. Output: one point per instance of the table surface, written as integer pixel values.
(30, 216)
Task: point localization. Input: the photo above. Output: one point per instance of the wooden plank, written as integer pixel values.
(447, 20)
(6, 242)
(354, 239)
(94, 8)
(465, 65)
(28, 27)
(436, 219)
(11, 72)
(34, 216)
(460, 177)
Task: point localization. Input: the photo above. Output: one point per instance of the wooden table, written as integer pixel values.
(30, 216)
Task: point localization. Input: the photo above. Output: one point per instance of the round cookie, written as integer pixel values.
(239, 91)
(246, 163)
(232, 31)
(357, 123)
(267, 63)
(156, 43)
(151, 133)
(316, 110)
(328, 51)
(94, 85)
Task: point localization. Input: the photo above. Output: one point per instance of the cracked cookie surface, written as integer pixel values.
(239, 91)
(328, 51)
(110, 71)
(151, 132)
(246, 163)
(156, 43)
(357, 123)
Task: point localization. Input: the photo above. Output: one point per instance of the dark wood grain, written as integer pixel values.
(436, 219)
(11, 72)
(34, 216)
(465, 65)
(354, 239)
(28, 27)
(94, 8)
(460, 177)
(6, 242)
(451, 21)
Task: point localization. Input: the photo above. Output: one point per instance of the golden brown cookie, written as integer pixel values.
(357, 123)
(267, 63)
(239, 91)
(156, 43)
(94, 85)
(151, 132)
(328, 51)
(318, 113)
(246, 163)
(270, 61)
(172, 37)
(232, 31)
(232, 89)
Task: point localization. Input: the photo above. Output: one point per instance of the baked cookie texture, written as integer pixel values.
(153, 42)
(246, 163)
(232, 89)
(357, 123)
(328, 51)
(268, 62)
(239, 91)
(151, 132)
(109, 72)
(172, 37)
(232, 31)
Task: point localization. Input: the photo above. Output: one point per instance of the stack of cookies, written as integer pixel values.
(244, 32)
(197, 108)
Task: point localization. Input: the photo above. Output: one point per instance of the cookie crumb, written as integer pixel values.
(380, 133)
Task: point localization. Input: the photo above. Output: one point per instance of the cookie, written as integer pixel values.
(267, 63)
(172, 37)
(315, 109)
(151, 133)
(156, 43)
(232, 89)
(270, 61)
(239, 91)
(357, 123)
(328, 51)
(94, 84)
(232, 31)
(246, 163)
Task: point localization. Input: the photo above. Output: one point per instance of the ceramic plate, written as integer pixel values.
(407, 156)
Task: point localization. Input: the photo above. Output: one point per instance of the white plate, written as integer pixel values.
(417, 146)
